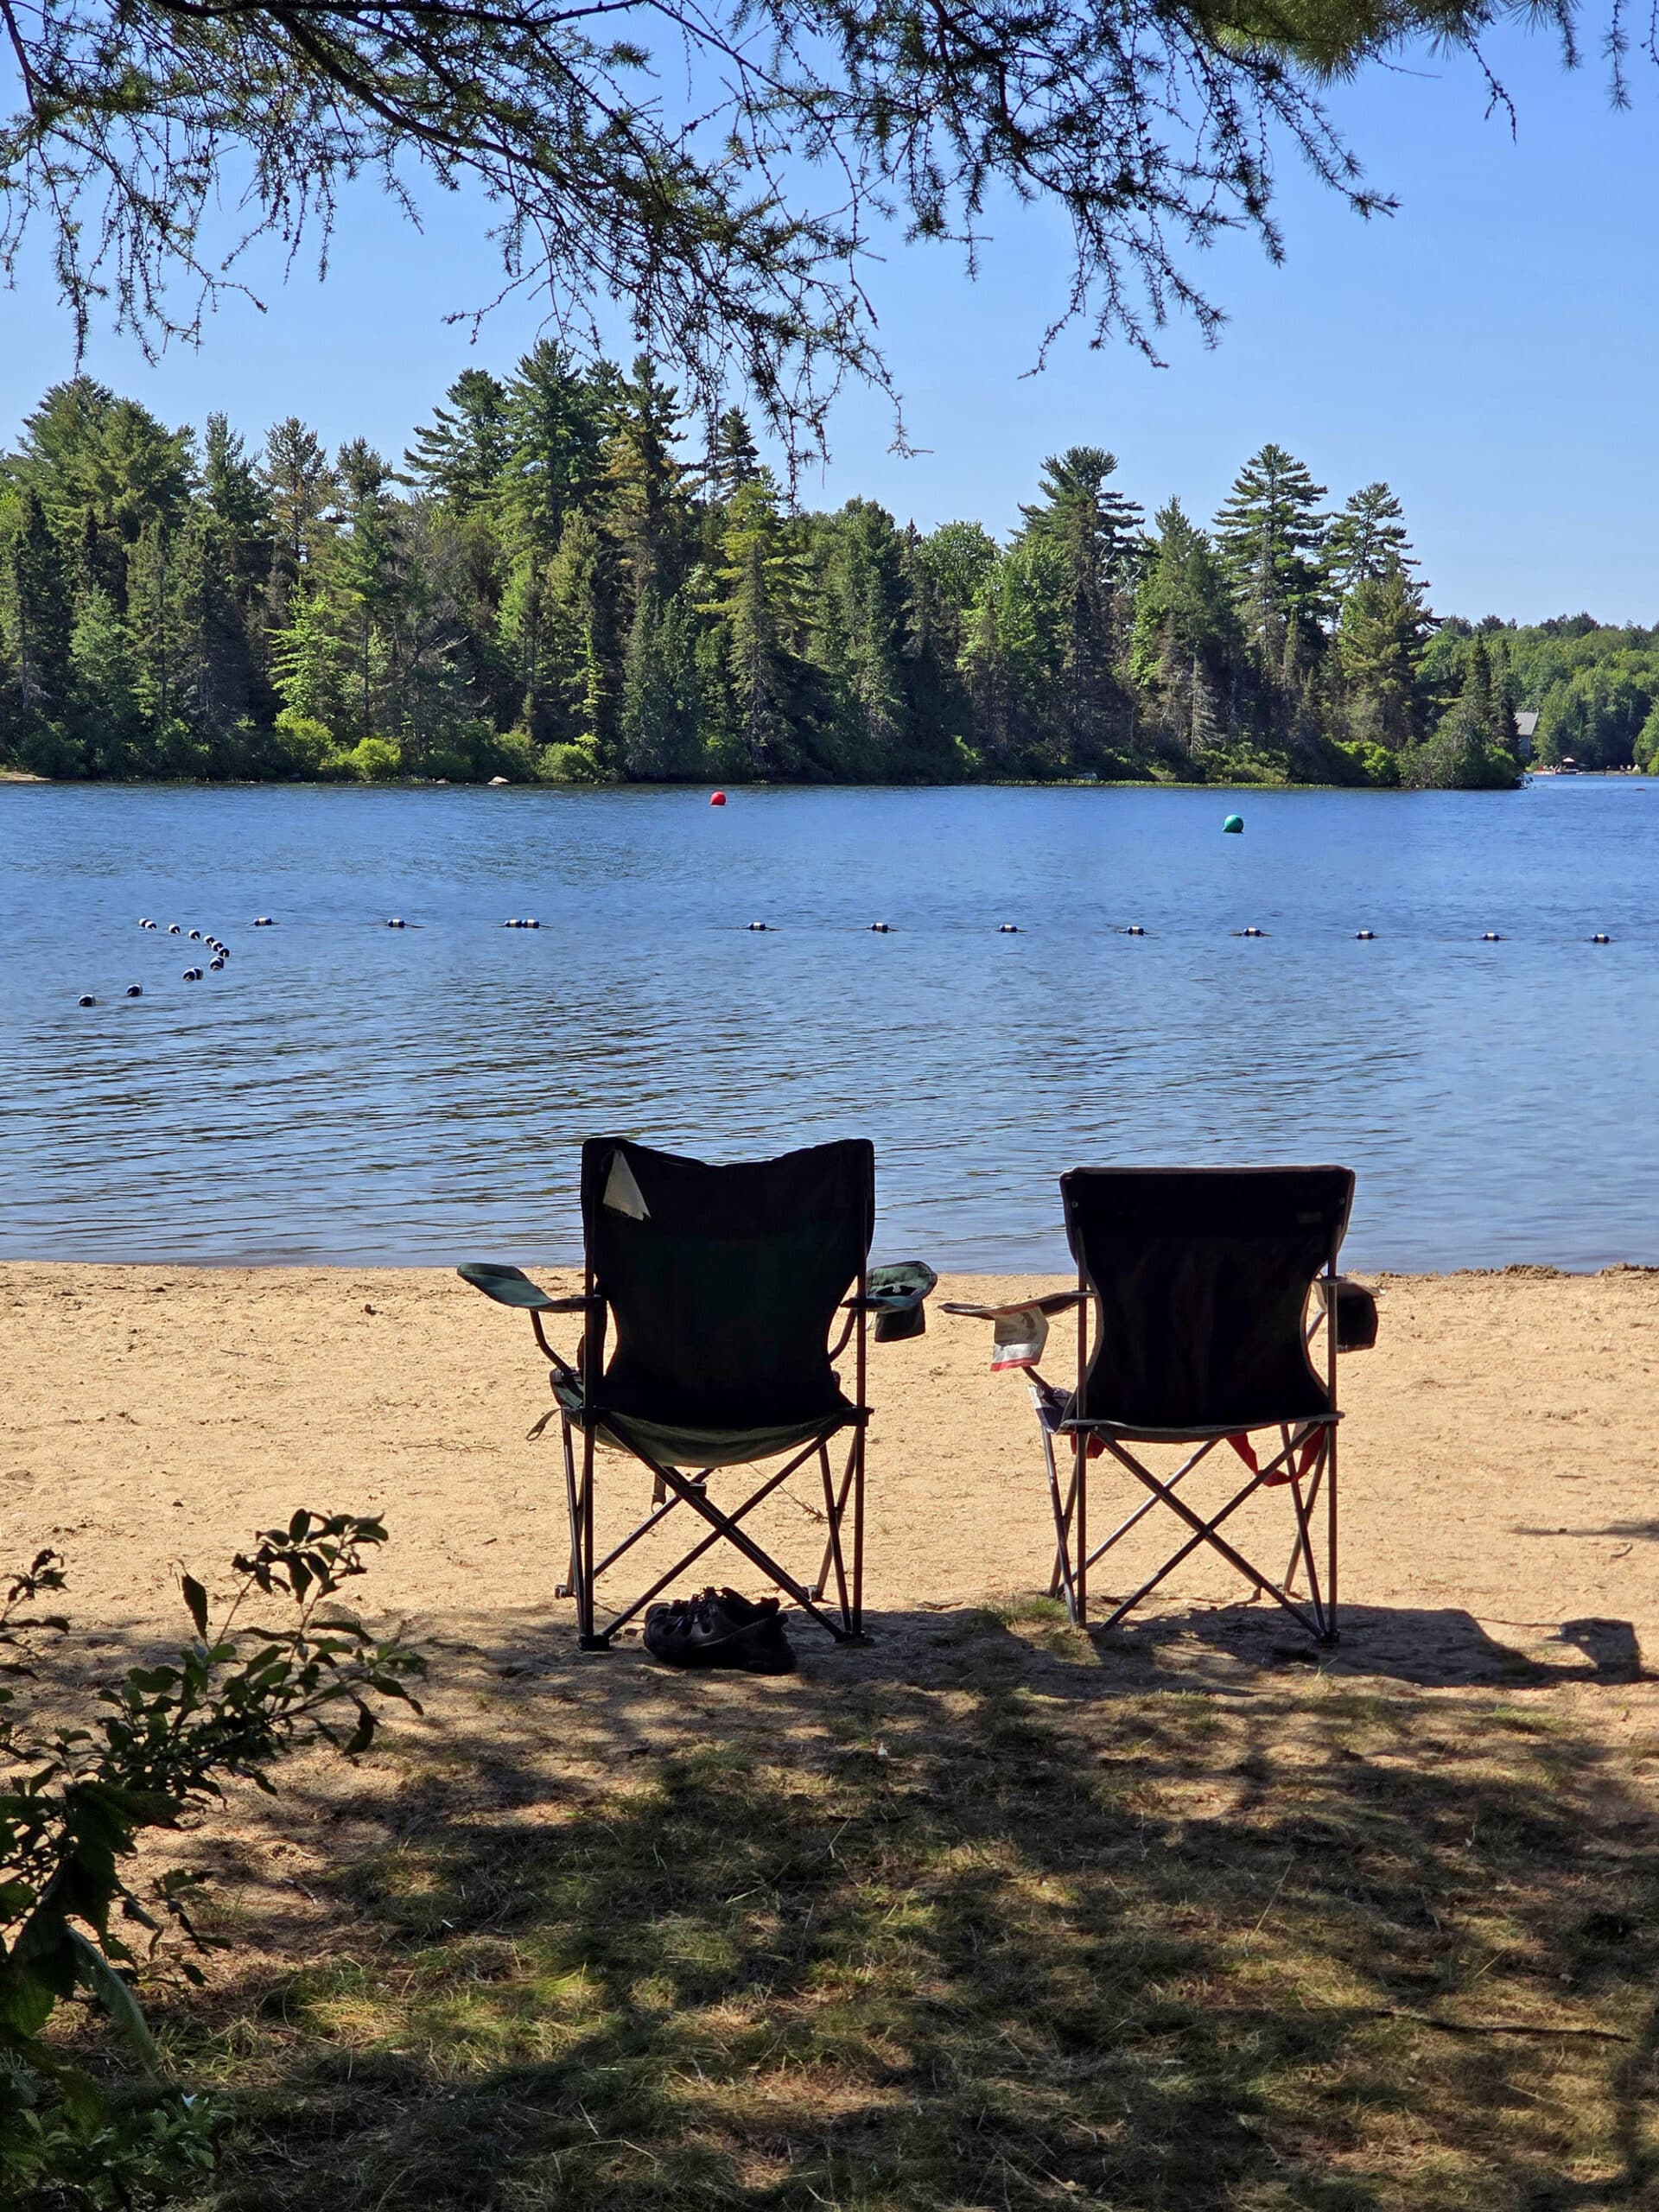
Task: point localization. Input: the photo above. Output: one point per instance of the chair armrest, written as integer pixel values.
(1053, 1301)
(512, 1286)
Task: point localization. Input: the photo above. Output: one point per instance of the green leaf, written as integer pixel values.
(83, 2101)
(196, 1598)
(117, 2000)
(27, 1995)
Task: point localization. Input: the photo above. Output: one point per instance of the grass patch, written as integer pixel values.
(1015, 1935)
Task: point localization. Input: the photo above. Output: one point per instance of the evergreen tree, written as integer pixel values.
(236, 544)
(938, 707)
(1097, 528)
(105, 470)
(1095, 532)
(1476, 697)
(1270, 536)
(984, 670)
(300, 488)
(368, 568)
(459, 456)
(1379, 648)
(238, 499)
(310, 662)
(556, 425)
(215, 674)
(644, 505)
(1186, 645)
(1502, 695)
(733, 458)
(152, 623)
(861, 624)
(1464, 752)
(464, 555)
(521, 637)
(105, 680)
(35, 617)
(579, 611)
(758, 587)
(550, 569)
(1016, 641)
(1366, 541)
(659, 719)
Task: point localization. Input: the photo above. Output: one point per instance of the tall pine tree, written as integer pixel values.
(1095, 532)
(1270, 535)
(459, 456)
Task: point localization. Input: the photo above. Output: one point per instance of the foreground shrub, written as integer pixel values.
(156, 1753)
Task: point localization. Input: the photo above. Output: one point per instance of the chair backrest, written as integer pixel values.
(1200, 1277)
(723, 1281)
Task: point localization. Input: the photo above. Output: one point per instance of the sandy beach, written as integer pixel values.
(984, 1912)
(1498, 1456)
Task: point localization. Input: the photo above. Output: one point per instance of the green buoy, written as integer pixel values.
(1234, 825)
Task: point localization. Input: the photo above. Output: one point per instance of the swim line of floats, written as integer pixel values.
(221, 952)
(1232, 826)
(208, 942)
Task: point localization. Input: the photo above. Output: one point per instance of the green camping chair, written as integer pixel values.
(724, 1285)
(1218, 1314)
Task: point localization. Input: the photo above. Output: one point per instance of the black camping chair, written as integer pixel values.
(1218, 1312)
(724, 1284)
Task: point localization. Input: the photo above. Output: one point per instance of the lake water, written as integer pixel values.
(347, 1092)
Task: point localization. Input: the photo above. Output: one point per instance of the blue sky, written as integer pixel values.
(1489, 350)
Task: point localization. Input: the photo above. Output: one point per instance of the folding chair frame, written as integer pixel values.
(672, 1487)
(1306, 1454)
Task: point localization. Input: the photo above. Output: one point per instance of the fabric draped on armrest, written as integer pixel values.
(1019, 1331)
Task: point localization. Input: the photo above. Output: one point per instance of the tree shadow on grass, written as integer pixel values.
(972, 1918)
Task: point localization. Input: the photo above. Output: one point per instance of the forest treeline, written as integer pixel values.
(556, 581)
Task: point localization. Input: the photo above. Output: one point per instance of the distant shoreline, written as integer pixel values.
(955, 784)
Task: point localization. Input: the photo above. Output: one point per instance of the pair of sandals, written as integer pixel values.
(720, 1628)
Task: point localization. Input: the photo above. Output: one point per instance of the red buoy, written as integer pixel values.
(718, 799)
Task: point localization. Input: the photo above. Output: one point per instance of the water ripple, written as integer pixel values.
(343, 1091)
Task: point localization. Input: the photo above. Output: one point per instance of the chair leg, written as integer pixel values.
(1080, 1490)
(1299, 1547)
(696, 1486)
(1332, 1633)
(1319, 1624)
(572, 1584)
(1303, 1509)
(1324, 1473)
(587, 1638)
(855, 1618)
(1061, 1583)
(727, 1525)
(835, 1503)
(1097, 1551)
